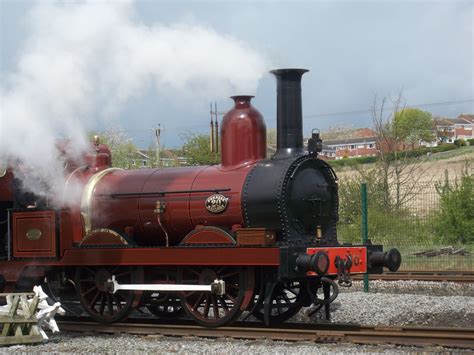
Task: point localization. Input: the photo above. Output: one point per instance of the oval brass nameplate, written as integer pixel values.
(33, 234)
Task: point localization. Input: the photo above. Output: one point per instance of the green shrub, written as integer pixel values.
(471, 142)
(460, 143)
(455, 219)
(352, 161)
(443, 148)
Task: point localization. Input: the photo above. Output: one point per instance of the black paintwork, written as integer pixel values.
(292, 196)
(289, 112)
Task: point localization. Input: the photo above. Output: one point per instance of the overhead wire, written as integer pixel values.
(336, 113)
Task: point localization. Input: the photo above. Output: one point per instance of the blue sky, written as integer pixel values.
(354, 51)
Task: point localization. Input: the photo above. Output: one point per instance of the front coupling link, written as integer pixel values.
(343, 271)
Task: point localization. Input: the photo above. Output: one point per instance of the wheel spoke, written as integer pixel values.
(89, 279)
(285, 297)
(231, 298)
(102, 304)
(190, 293)
(197, 273)
(229, 274)
(90, 270)
(215, 306)
(122, 274)
(117, 302)
(110, 304)
(94, 300)
(218, 272)
(224, 304)
(199, 300)
(89, 290)
(206, 307)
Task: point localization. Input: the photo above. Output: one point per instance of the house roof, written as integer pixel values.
(461, 119)
(327, 148)
(350, 140)
(467, 116)
(442, 121)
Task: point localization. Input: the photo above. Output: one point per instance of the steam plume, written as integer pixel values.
(83, 61)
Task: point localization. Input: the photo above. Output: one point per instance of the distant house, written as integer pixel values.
(361, 143)
(140, 159)
(450, 129)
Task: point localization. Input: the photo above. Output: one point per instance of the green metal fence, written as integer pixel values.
(431, 231)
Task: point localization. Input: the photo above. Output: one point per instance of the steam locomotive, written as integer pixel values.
(251, 234)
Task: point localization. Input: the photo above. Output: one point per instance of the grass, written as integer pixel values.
(409, 235)
(442, 262)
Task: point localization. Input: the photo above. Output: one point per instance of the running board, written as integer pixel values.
(217, 287)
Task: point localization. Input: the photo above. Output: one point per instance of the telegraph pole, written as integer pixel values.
(157, 131)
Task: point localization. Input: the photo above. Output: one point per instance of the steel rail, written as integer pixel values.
(414, 275)
(413, 336)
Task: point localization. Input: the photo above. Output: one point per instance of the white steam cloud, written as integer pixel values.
(83, 61)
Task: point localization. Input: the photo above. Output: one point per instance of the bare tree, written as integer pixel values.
(399, 173)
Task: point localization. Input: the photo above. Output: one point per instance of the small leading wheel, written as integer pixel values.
(211, 310)
(166, 306)
(287, 299)
(100, 304)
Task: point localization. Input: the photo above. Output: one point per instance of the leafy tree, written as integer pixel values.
(197, 149)
(271, 136)
(121, 147)
(455, 220)
(410, 125)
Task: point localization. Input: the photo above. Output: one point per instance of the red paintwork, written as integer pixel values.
(45, 246)
(243, 134)
(11, 270)
(183, 211)
(208, 235)
(358, 254)
(217, 177)
(70, 229)
(6, 187)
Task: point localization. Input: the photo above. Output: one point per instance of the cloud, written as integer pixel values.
(83, 61)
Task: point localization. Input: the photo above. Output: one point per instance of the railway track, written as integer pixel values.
(322, 333)
(413, 275)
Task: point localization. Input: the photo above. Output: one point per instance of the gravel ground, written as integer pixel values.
(400, 309)
(400, 303)
(94, 343)
(416, 287)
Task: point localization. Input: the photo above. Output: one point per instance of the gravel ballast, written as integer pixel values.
(122, 343)
(422, 303)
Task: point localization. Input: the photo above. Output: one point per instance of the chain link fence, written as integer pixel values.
(433, 227)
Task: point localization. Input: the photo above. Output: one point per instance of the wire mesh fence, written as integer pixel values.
(433, 227)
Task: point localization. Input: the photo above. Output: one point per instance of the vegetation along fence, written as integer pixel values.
(432, 226)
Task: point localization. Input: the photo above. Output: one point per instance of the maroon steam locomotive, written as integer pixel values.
(250, 234)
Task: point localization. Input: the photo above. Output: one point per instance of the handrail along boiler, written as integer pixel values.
(251, 234)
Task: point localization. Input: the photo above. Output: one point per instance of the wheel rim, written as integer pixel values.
(286, 301)
(209, 309)
(104, 306)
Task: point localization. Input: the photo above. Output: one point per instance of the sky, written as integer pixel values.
(174, 57)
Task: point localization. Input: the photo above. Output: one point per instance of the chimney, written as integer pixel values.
(289, 113)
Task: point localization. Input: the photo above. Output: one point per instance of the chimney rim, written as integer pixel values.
(289, 70)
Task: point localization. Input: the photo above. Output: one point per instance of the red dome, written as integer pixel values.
(243, 134)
